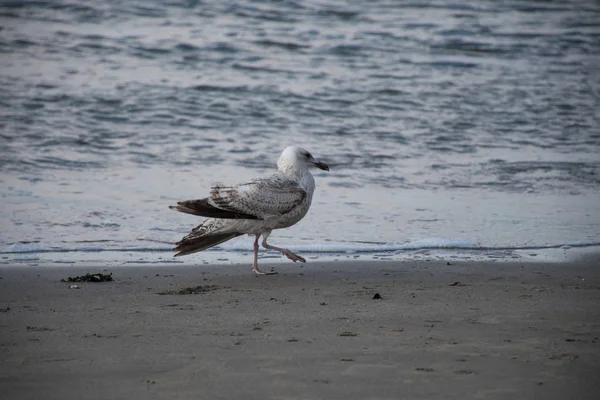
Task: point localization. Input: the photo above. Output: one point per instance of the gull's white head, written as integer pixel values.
(297, 158)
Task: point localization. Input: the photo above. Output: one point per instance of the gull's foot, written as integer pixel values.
(259, 272)
(293, 257)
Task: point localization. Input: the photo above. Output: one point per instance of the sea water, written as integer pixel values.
(454, 130)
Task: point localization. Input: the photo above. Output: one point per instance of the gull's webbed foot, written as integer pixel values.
(292, 256)
(258, 272)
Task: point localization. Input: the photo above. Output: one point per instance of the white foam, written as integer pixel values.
(432, 243)
(425, 243)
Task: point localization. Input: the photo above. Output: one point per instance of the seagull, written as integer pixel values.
(254, 208)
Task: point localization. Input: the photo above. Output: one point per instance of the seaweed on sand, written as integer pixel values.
(99, 277)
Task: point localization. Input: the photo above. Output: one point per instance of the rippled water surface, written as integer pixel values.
(471, 126)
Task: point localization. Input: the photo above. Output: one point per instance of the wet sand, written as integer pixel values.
(467, 330)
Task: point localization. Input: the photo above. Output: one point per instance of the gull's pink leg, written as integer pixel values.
(285, 252)
(255, 263)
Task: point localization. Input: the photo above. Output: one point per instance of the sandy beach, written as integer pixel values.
(438, 331)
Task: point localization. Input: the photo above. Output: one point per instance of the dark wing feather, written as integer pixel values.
(192, 244)
(203, 208)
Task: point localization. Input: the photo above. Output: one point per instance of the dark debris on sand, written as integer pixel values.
(99, 277)
(191, 290)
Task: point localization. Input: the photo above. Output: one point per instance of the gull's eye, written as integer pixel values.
(306, 154)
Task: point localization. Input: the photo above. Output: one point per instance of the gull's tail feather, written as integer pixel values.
(199, 243)
(203, 208)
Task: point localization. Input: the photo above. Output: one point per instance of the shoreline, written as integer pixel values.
(465, 330)
(224, 258)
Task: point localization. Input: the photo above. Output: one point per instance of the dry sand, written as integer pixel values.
(469, 330)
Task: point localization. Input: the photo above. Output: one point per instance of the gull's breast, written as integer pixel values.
(292, 217)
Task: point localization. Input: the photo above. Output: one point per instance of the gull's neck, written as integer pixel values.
(293, 169)
(298, 173)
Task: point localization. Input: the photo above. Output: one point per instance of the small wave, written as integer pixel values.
(215, 88)
(24, 248)
(59, 162)
(291, 46)
(451, 64)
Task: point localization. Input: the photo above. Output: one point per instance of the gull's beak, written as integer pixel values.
(321, 165)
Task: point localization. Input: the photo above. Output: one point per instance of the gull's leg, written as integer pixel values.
(285, 252)
(255, 263)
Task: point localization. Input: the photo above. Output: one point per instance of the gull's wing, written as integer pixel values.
(257, 199)
(271, 196)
